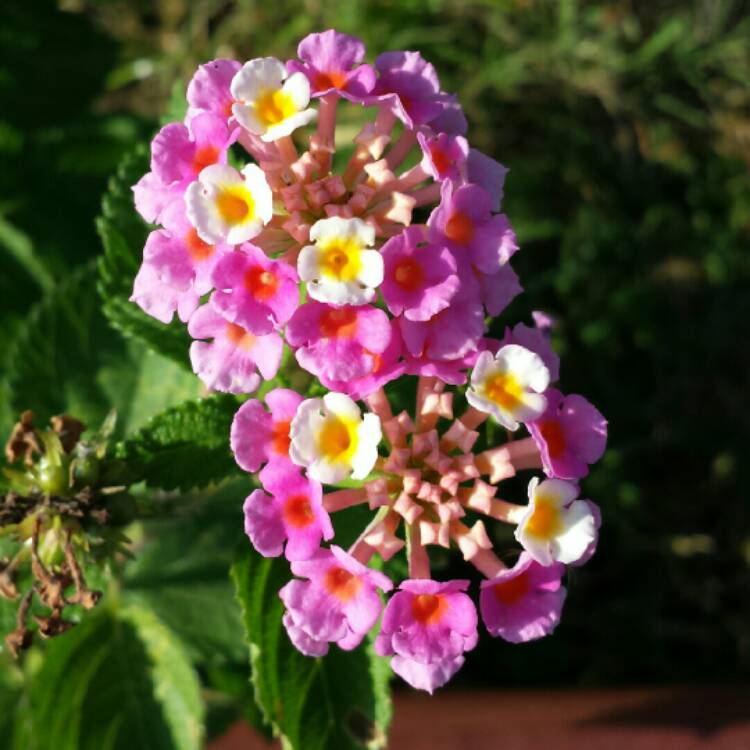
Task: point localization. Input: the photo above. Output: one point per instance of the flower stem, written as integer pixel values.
(419, 560)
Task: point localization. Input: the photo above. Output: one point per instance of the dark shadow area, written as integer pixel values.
(704, 710)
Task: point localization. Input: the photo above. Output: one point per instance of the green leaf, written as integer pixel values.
(152, 384)
(665, 37)
(19, 245)
(10, 694)
(123, 234)
(55, 356)
(340, 701)
(115, 683)
(177, 108)
(181, 572)
(65, 358)
(184, 447)
(230, 698)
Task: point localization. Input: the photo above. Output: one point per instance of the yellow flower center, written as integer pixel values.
(545, 521)
(337, 440)
(274, 107)
(504, 389)
(235, 204)
(340, 259)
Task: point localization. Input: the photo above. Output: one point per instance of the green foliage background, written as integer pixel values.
(626, 126)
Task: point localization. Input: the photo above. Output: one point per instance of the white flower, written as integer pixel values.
(268, 101)
(556, 527)
(339, 268)
(509, 385)
(332, 440)
(225, 205)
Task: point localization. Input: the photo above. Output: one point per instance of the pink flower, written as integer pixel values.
(230, 362)
(464, 221)
(338, 343)
(489, 174)
(332, 63)
(257, 436)
(385, 294)
(419, 280)
(208, 90)
(444, 156)
(152, 196)
(525, 602)
(451, 334)
(183, 260)
(254, 291)
(159, 299)
(591, 549)
(535, 340)
(543, 321)
(427, 626)
(291, 514)
(452, 371)
(571, 434)
(498, 290)
(338, 603)
(386, 367)
(407, 85)
(451, 119)
(179, 154)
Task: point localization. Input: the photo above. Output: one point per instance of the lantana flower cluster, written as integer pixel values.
(368, 262)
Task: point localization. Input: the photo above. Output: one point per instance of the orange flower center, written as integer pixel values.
(231, 207)
(512, 590)
(261, 284)
(459, 228)
(429, 608)
(377, 361)
(331, 79)
(504, 390)
(204, 157)
(240, 337)
(553, 435)
(298, 512)
(341, 584)
(197, 248)
(280, 440)
(338, 323)
(545, 522)
(274, 107)
(409, 274)
(334, 438)
(439, 159)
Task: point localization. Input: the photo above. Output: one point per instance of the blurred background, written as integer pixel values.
(626, 128)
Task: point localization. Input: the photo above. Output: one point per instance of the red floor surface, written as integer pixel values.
(669, 718)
